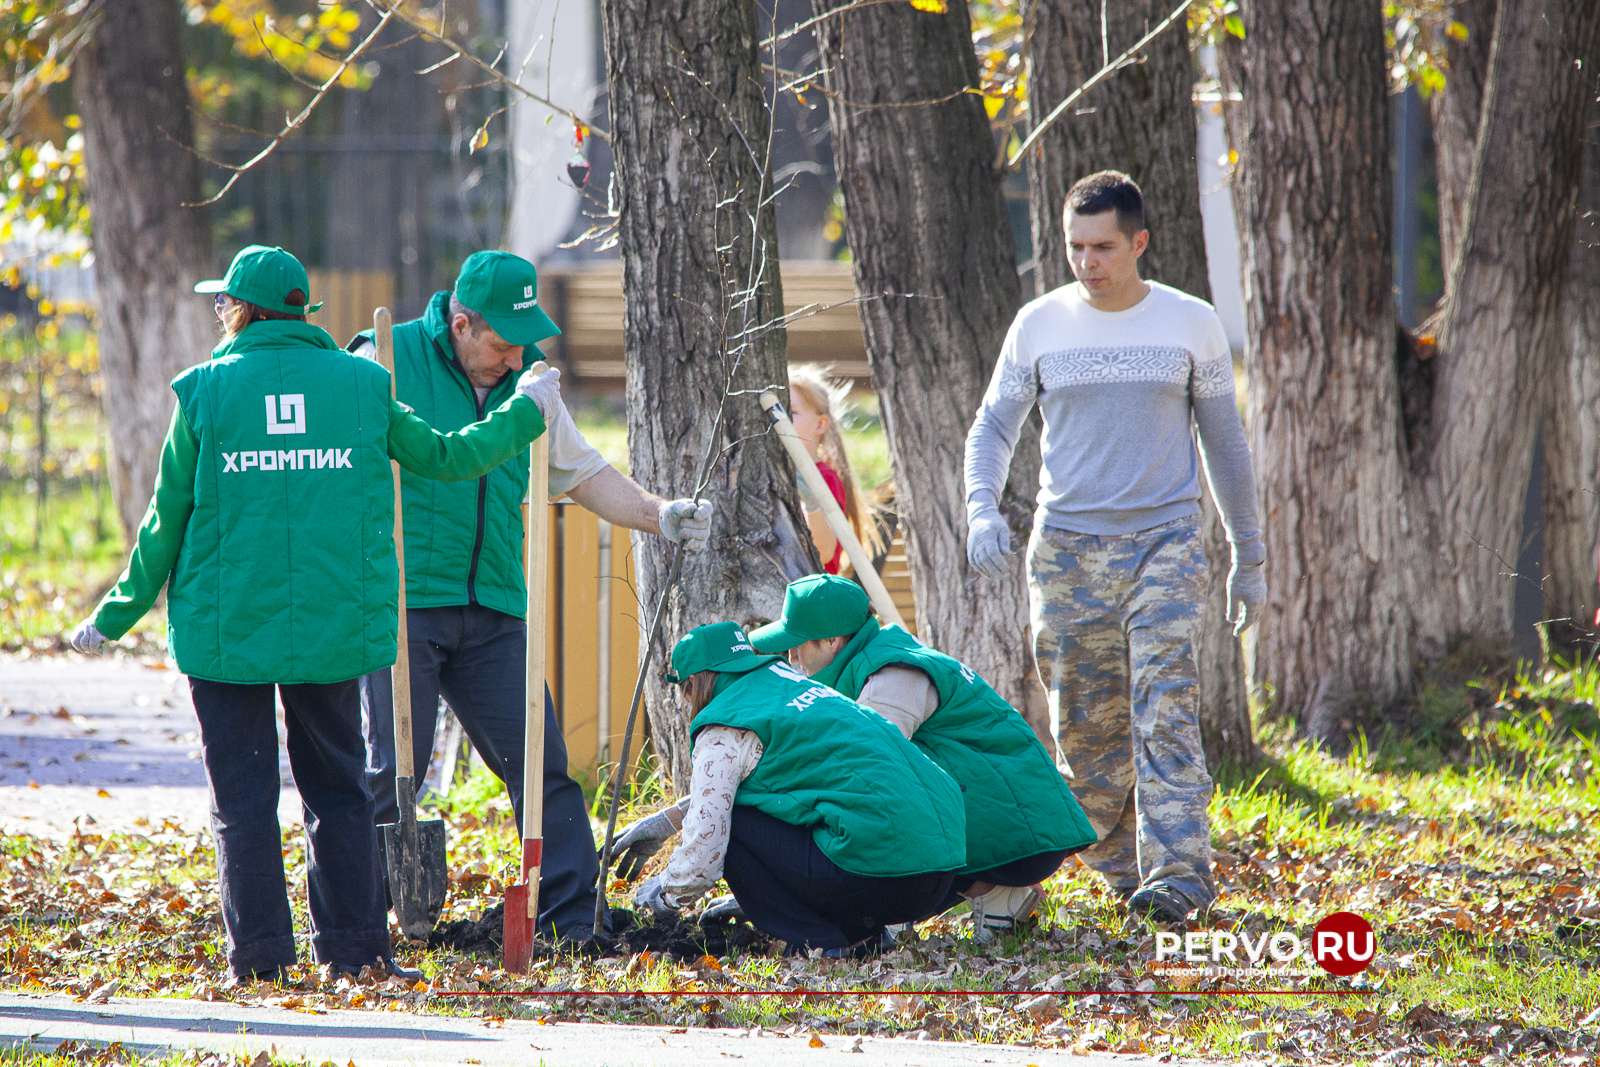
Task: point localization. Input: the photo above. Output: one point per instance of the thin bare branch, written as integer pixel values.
(1099, 76)
(438, 36)
(800, 27)
(294, 123)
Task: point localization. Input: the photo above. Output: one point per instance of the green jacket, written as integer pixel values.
(1017, 803)
(463, 539)
(273, 513)
(876, 805)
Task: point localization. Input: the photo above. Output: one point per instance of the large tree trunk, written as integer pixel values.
(128, 85)
(1324, 406)
(1141, 122)
(1456, 110)
(1572, 442)
(700, 267)
(935, 265)
(1500, 352)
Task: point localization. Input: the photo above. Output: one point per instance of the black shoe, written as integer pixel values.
(1159, 903)
(386, 964)
(270, 975)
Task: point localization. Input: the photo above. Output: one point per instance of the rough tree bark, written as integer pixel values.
(1572, 436)
(1456, 110)
(700, 265)
(128, 85)
(1314, 202)
(927, 225)
(1499, 343)
(1142, 122)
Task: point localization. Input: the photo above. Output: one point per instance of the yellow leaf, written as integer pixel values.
(1233, 156)
(481, 138)
(992, 105)
(937, 7)
(816, 1042)
(100, 793)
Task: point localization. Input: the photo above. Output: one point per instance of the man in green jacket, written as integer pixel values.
(272, 527)
(1022, 821)
(465, 596)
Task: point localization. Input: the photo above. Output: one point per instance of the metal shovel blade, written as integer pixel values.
(517, 937)
(418, 875)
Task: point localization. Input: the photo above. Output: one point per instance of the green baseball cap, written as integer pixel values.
(815, 607)
(716, 646)
(504, 289)
(264, 277)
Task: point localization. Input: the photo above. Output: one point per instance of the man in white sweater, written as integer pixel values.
(1124, 371)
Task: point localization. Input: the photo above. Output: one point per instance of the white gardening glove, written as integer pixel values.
(686, 521)
(652, 897)
(87, 639)
(640, 841)
(543, 388)
(1247, 586)
(988, 537)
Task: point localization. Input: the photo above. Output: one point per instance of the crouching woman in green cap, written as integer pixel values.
(826, 823)
(1022, 820)
(272, 527)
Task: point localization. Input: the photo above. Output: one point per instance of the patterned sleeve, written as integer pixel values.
(1213, 364)
(723, 756)
(1012, 392)
(1224, 450)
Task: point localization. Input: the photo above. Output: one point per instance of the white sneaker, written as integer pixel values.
(1002, 909)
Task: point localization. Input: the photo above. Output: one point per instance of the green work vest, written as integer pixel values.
(463, 539)
(287, 571)
(1017, 803)
(876, 805)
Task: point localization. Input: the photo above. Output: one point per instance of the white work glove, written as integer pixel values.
(640, 841)
(988, 538)
(1247, 587)
(652, 898)
(87, 639)
(543, 388)
(687, 522)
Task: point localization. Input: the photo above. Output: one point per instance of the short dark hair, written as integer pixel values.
(475, 320)
(1109, 190)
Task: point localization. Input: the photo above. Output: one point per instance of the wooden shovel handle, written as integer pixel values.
(405, 764)
(837, 522)
(536, 565)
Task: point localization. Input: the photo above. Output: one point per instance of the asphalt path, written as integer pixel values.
(103, 742)
(372, 1038)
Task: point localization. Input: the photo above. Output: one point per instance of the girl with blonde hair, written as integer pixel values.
(816, 403)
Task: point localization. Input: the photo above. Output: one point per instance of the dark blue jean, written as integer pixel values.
(476, 658)
(790, 889)
(239, 738)
(1030, 870)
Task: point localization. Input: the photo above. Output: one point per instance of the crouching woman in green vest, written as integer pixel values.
(825, 822)
(1022, 820)
(272, 527)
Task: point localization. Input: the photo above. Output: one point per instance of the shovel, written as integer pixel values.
(414, 851)
(522, 898)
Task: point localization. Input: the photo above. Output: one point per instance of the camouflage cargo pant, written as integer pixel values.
(1113, 625)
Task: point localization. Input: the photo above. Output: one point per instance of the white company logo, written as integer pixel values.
(528, 300)
(298, 459)
(286, 413)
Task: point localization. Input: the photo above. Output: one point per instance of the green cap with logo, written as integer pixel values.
(815, 607)
(267, 278)
(504, 289)
(716, 646)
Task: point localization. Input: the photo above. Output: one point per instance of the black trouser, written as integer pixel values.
(789, 889)
(239, 738)
(1026, 871)
(477, 658)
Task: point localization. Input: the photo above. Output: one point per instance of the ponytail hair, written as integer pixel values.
(831, 399)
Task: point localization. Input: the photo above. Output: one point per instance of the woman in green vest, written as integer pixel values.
(272, 529)
(825, 822)
(1022, 820)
